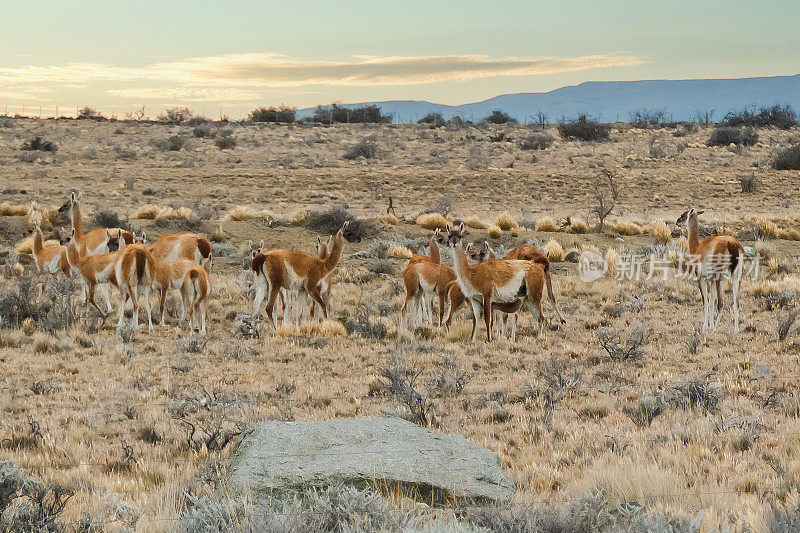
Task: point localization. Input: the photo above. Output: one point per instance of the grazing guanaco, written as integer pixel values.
(95, 269)
(501, 281)
(50, 259)
(184, 245)
(710, 258)
(171, 275)
(294, 270)
(135, 268)
(197, 283)
(93, 242)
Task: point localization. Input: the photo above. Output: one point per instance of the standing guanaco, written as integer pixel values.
(135, 268)
(50, 259)
(710, 258)
(171, 275)
(95, 269)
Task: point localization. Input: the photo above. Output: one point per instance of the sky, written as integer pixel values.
(231, 56)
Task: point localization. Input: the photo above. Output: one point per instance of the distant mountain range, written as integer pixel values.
(612, 101)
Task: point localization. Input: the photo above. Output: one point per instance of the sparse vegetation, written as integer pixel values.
(788, 159)
(584, 129)
(38, 144)
(724, 136)
(539, 141)
(335, 113)
(282, 114)
(777, 116)
(367, 148)
(175, 115)
(225, 141)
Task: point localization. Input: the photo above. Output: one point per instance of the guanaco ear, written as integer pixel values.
(72, 197)
(261, 245)
(319, 240)
(447, 228)
(144, 237)
(250, 243)
(436, 232)
(468, 248)
(73, 233)
(108, 234)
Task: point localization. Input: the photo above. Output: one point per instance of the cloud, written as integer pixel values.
(188, 94)
(273, 70)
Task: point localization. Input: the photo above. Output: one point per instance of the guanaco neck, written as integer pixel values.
(38, 243)
(693, 227)
(73, 257)
(433, 251)
(462, 267)
(77, 220)
(334, 254)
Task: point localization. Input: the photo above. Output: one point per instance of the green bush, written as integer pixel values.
(272, 114)
(584, 129)
(781, 117)
(725, 135)
(498, 117)
(789, 159)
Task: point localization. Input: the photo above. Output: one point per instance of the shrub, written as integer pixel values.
(498, 117)
(781, 117)
(494, 231)
(38, 144)
(108, 219)
(175, 115)
(204, 131)
(338, 114)
(698, 393)
(788, 159)
(367, 149)
(364, 327)
(584, 129)
(226, 141)
(621, 349)
(90, 113)
(750, 184)
(554, 251)
(645, 118)
(432, 221)
(546, 224)
(171, 144)
(506, 222)
(540, 141)
(272, 114)
(725, 135)
(28, 504)
(330, 221)
(434, 120)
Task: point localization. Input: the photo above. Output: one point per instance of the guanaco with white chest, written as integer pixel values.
(710, 259)
(50, 259)
(93, 242)
(501, 281)
(172, 276)
(95, 269)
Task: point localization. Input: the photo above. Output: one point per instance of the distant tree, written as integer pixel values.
(433, 119)
(777, 116)
(337, 113)
(584, 129)
(90, 113)
(175, 115)
(498, 117)
(541, 119)
(282, 114)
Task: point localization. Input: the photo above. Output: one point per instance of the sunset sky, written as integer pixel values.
(236, 55)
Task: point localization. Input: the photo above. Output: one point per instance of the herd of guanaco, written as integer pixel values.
(300, 283)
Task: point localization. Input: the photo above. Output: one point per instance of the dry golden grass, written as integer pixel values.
(298, 218)
(578, 226)
(790, 234)
(495, 232)
(7, 209)
(170, 213)
(768, 229)
(625, 228)
(506, 222)
(554, 251)
(612, 262)
(546, 224)
(399, 252)
(240, 213)
(476, 223)
(432, 221)
(660, 231)
(147, 212)
(555, 442)
(390, 219)
(682, 242)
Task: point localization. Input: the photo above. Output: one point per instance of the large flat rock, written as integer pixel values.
(274, 458)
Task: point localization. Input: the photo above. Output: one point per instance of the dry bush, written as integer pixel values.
(476, 223)
(785, 324)
(767, 228)
(682, 242)
(432, 221)
(660, 231)
(750, 184)
(506, 222)
(368, 149)
(625, 228)
(788, 159)
(554, 251)
(399, 252)
(170, 213)
(495, 232)
(389, 218)
(240, 213)
(7, 209)
(147, 212)
(612, 262)
(620, 348)
(577, 225)
(546, 224)
(298, 218)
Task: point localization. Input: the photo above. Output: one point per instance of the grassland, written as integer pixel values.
(694, 426)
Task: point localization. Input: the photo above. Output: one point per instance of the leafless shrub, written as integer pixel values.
(693, 342)
(175, 115)
(697, 393)
(750, 184)
(363, 326)
(367, 148)
(28, 504)
(447, 379)
(403, 386)
(621, 349)
(605, 193)
(646, 409)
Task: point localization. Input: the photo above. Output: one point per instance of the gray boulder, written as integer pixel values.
(278, 458)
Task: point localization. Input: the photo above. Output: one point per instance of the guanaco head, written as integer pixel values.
(139, 239)
(479, 253)
(206, 264)
(69, 240)
(255, 249)
(455, 234)
(65, 211)
(349, 233)
(113, 240)
(687, 216)
(440, 237)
